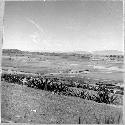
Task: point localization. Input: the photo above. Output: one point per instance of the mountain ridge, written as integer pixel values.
(108, 52)
(98, 52)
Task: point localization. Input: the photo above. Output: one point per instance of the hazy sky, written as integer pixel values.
(63, 26)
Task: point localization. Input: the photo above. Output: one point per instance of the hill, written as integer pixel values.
(82, 52)
(21, 104)
(108, 52)
(11, 51)
(16, 51)
(73, 53)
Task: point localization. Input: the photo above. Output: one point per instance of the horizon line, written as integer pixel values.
(63, 51)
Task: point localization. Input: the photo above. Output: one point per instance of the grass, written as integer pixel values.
(21, 104)
(101, 94)
(52, 64)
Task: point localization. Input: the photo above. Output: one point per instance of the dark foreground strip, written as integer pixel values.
(100, 93)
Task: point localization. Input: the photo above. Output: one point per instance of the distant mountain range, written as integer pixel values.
(104, 52)
(81, 52)
(11, 51)
(108, 52)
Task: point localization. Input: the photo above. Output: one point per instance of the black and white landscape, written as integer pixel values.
(62, 62)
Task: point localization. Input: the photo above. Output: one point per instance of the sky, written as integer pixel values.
(63, 26)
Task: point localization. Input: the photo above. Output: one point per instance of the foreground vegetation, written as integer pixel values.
(21, 104)
(61, 88)
(99, 93)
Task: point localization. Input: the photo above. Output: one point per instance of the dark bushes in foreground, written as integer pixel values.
(102, 95)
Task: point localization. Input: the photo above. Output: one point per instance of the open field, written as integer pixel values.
(82, 78)
(62, 62)
(21, 104)
(63, 65)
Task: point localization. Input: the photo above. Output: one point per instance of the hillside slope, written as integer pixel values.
(21, 104)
